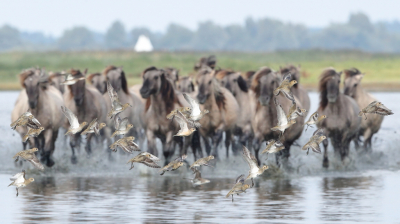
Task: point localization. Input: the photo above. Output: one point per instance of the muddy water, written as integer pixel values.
(100, 190)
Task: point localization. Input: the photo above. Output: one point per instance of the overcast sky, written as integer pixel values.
(53, 17)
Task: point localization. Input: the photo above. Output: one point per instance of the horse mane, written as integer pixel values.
(220, 74)
(248, 75)
(325, 76)
(167, 92)
(218, 94)
(151, 68)
(290, 68)
(24, 75)
(78, 74)
(124, 83)
(91, 76)
(255, 86)
(351, 72)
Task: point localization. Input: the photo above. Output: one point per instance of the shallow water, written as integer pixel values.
(100, 190)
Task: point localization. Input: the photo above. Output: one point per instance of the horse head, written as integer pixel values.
(185, 85)
(264, 83)
(152, 81)
(352, 79)
(78, 89)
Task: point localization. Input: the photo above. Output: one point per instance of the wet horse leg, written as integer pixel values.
(228, 139)
(196, 145)
(367, 140)
(48, 142)
(256, 146)
(216, 139)
(72, 143)
(88, 146)
(207, 145)
(325, 162)
(151, 143)
(169, 148)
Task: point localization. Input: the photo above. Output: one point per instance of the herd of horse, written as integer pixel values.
(241, 108)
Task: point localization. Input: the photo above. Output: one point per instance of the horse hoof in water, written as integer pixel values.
(325, 163)
(74, 160)
(50, 162)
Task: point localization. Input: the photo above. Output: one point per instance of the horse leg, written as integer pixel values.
(186, 143)
(48, 139)
(325, 162)
(367, 140)
(256, 146)
(207, 145)
(88, 146)
(228, 139)
(169, 148)
(195, 144)
(216, 139)
(72, 143)
(151, 143)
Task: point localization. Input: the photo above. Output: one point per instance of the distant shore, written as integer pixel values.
(382, 71)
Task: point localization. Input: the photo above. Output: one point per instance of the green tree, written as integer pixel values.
(115, 37)
(77, 38)
(9, 38)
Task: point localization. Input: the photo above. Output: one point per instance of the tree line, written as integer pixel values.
(254, 35)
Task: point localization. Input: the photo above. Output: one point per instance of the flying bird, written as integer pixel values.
(239, 187)
(122, 126)
(375, 107)
(26, 119)
(273, 146)
(283, 122)
(174, 165)
(18, 180)
(32, 133)
(73, 121)
(314, 119)
(146, 158)
(94, 127)
(285, 86)
(255, 170)
(127, 144)
(315, 140)
(70, 79)
(116, 106)
(30, 156)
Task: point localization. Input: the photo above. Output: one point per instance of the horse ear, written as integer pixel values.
(192, 86)
(85, 72)
(242, 84)
(340, 73)
(299, 66)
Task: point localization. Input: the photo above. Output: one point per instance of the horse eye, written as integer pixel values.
(156, 77)
(355, 85)
(235, 80)
(209, 83)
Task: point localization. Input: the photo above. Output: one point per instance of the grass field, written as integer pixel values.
(382, 70)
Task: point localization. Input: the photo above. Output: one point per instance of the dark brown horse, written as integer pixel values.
(342, 123)
(86, 103)
(44, 101)
(353, 88)
(161, 99)
(265, 81)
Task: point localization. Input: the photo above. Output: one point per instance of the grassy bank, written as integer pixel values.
(382, 70)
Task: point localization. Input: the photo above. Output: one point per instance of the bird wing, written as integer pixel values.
(193, 104)
(18, 175)
(383, 112)
(152, 157)
(36, 122)
(292, 109)
(382, 107)
(287, 77)
(319, 132)
(123, 124)
(150, 163)
(288, 93)
(117, 122)
(282, 119)
(73, 120)
(36, 163)
(240, 179)
(133, 144)
(68, 76)
(315, 147)
(182, 124)
(115, 104)
(278, 144)
(250, 159)
(197, 174)
(92, 124)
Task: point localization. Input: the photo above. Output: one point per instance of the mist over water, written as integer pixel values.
(100, 190)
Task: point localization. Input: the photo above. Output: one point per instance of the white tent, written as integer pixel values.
(143, 44)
